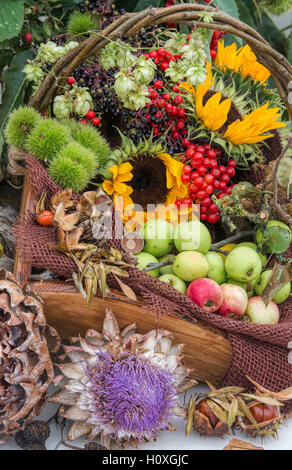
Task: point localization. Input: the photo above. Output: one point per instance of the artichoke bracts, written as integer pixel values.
(121, 385)
(26, 369)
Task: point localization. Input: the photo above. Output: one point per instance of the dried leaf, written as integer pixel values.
(40, 207)
(218, 411)
(280, 276)
(79, 285)
(284, 395)
(232, 412)
(100, 271)
(118, 271)
(263, 399)
(237, 444)
(225, 390)
(246, 411)
(190, 415)
(126, 289)
(64, 197)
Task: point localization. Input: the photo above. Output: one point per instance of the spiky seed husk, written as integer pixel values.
(35, 447)
(80, 23)
(90, 138)
(21, 123)
(94, 446)
(47, 139)
(78, 153)
(36, 432)
(67, 174)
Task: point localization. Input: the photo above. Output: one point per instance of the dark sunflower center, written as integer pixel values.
(149, 181)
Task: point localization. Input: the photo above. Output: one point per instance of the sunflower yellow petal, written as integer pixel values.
(108, 187)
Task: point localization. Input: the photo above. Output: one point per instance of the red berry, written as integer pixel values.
(192, 196)
(222, 169)
(190, 153)
(96, 121)
(203, 209)
(229, 191)
(211, 153)
(187, 169)
(178, 203)
(230, 172)
(216, 184)
(28, 38)
(209, 190)
(216, 172)
(232, 163)
(201, 194)
(213, 53)
(194, 175)
(206, 201)
(178, 99)
(185, 178)
(174, 111)
(166, 96)
(181, 112)
(213, 208)
(225, 178)
(187, 201)
(185, 142)
(213, 164)
(180, 124)
(203, 216)
(153, 54)
(221, 195)
(168, 108)
(70, 81)
(158, 84)
(164, 65)
(193, 188)
(201, 170)
(213, 218)
(209, 179)
(91, 114)
(175, 89)
(198, 181)
(84, 121)
(218, 152)
(201, 149)
(222, 186)
(206, 162)
(161, 103)
(175, 135)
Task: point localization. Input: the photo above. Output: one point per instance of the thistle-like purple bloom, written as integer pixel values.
(134, 396)
(121, 385)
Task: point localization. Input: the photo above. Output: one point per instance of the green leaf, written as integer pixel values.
(142, 4)
(13, 79)
(277, 239)
(229, 7)
(280, 276)
(11, 18)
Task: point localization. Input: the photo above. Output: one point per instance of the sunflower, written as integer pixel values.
(236, 132)
(242, 60)
(153, 179)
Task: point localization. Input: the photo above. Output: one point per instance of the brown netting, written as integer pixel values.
(258, 351)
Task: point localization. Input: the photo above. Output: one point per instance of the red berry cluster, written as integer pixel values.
(206, 176)
(166, 112)
(214, 43)
(162, 57)
(90, 116)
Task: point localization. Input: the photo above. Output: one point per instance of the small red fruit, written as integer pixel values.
(45, 218)
(158, 84)
(70, 81)
(96, 121)
(90, 115)
(28, 38)
(213, 54)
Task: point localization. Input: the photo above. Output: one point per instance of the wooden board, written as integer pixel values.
(207, 350)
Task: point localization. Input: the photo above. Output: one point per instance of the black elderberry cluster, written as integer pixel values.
(107, 13)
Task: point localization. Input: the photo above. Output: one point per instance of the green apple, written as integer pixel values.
(190, 265)
(192, 236)
(174, 281)
(255, 247)
(144, 259)
(158, 236)
(166, 269)
(279, 242)
(262, 282)
(249, 286)
(243, 264)
(216, 267)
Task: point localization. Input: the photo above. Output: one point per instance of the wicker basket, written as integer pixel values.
(208, 350)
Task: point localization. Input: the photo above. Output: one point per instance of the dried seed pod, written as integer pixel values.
(26, 368)
(132, 242)
(206, 422)
(267, 417)
(237, 444)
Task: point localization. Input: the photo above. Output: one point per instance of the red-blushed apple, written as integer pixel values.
(234, 301)
(261, 314)
(206, 294)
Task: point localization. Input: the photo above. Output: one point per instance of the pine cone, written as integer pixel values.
(26, 369)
